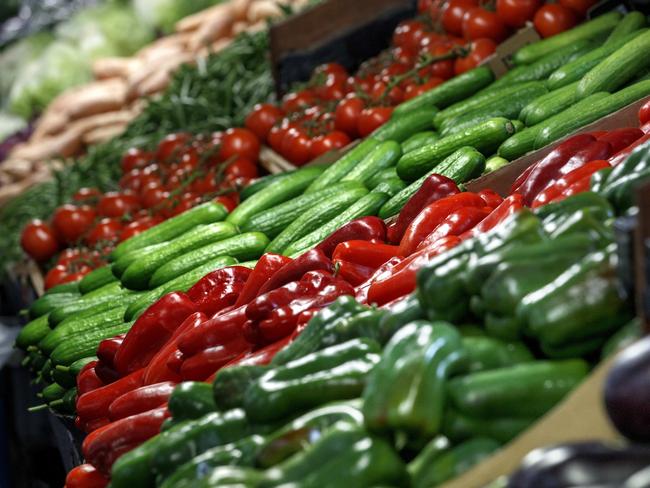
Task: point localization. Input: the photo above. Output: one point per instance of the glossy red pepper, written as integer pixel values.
(103, 446)
(175, 361)
(456, 223)
(157, 370)
(362, 229)
(91, 425)
(85, 476)
(353, 273)
(88, 380)
(597, 150)
(108, 348)
(365, 253)
(491, 198)
(140, 400)
(598, 133)
(293, 271)
(200, 366)
(559, 185)
(266, 267)
(384, 271)
(509, 206)
(219, 329)
(644, 113)
(151, 330)
(645, 128)
(94, 404)
(433, 189)
(432, 216)
(106, 373)
(226, 292)
(624, 153)
(215, 279)
(619, 139)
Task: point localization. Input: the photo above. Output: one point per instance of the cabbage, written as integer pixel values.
(163, 14)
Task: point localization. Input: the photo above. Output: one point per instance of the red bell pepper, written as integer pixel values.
(597, 150)
(365, 253)
(87, 380)
(219, 329)
(433, 189)
(151, 330)
(456, 223)
(266, 266)
(216, 278)
(106, 373)
(204, 364)
(90, 425)
(353, 273)
(103, 446)
(432, 216)
(491, 198)
(598, 133)
(108, 348)
(554, 190)
(361, 229)
(644, 112)
(85, 476)
(293, 271)
(361, 291)
(511, 205)
(140, 400)
(645, 128)
(624, 153)
(619, 139)
(226, 292)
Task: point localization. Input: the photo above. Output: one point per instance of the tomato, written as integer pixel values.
(402, 56)
(332, 88)
(241, 143)
(55, 276)
(553, 18)
(371, 118)
(70, 222)
(295, 101)
(436, 10)
(441, 69)
(479, 23)
(169, 147)
(452, 17)
(276, 134)
(578, 6)
(408, 34)
(644, 113)
(378, 93)
(137, 179)
(115, 204)
(423, 6)
(206, 183)
(241, 167)
(135, 158)
(296, 146)
(515, 13)
(186, 202)
(480, 49)
(347, 114)
(86, 195)
(331, 69)
(106, 230)
(227, 201)
(189, 159)
(326, 142)
(414, 90)
(263, 117)
(39, 241)
(153, 196)
(136, 227)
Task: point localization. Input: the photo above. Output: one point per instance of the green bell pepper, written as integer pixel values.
(230, 384)
(403, 311)
(191, 400)
(458, 427)
(484, 353)
(598, 205)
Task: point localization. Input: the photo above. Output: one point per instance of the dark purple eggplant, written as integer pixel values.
(627, 392)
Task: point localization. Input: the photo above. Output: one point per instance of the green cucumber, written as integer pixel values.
(96, 279)
(249, 245)
(119, 267)
(275, 219)
(344, 165)
(593, 29)
(618, 68)
(33, 332)
(63, 378)
(385, 155)
(464, 170)
(76, 367)
(313, 218)
(138, 274)
(495, 163)
(419, 139)
(201, 214)
(53, 392)
(403, 125)
(367, 205)
(548, 105)
(72, 287)
(384, 174)
(85, 344)
(465, 155)
(518, 125)
(106, 294)
(451, 91)
(48, 302)
(630, 23)
(485, 137)
(260, 183)
(390, 186)
(281, 191)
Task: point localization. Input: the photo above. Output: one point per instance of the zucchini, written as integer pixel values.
(390, 186)
(96, 279)
(618, 68)
(314, 218)
(485, 137)
(85, 344)
(451, 91)
(495, 163)
(48, 302)
(138, 274)
(384, 174)
(630, 23)
(273, 220)
(33, 332)
(281, 191)
(367, 205)
(419, 139)
(344, 165)
(600, 26)
(119, 267)
(249, 245)
(385, 155)
(403, 125)
(201, 214)
(548, 105)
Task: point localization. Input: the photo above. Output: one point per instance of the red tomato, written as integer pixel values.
(227, 202)
(296, 146)
(423, 6)
(332, 88)
(414, 90)
(153, 196)
(402, 56)
(578, 6)
(408, 34)
(241, 143)
(135, 158)
(115, 204)
(295, 101)
(136, 227)
(39, 241)
(378, 92)
(263, 117)
(276, 134)
(436, 10)
(69, 256)
(644, 113)
(479, 23)
(189, 159)
(205, 184)
(452, 17)
(70, 222)
(326, 142)
(480, 49)
(553, 18)
(86, 195)
(442, 69)
(371, 118)
(515, 13)
(169, 147)
(331, 69)
(241, 167)
(137, 179)
(347, 114)
(55, 276)
(106, 231)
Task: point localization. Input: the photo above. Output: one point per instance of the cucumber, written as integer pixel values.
(367, 205)
(106, 294)
(466, 155)
(403, 125)
(464, 170)
(485, 137)
(600, 26)
(451, 91)
(577, 68)
(279, 192)
(518, 125)
(52, 392)
(72, 287)
(384, 174)
(391, 186)
(574, 118)
(495, 163)
(138, 274)
(419, 139)
(630, 23)
(33, 332)
(344, 165)
(96, 279)
(273, 220)
(76, 367)
(260, 183)
(201, 214)
(548, 105)
(48, 302)
(314, 218)
(385, 155)
(85, 344)
(249, 245)
(63, 378)
(119, 267)
(618, 68)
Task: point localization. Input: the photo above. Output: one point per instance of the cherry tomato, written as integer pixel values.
(137, 179)
(326, 142)
(55, 276)
(276, 135)
(332, 88)
(452, 17)
(347, 114)
(553, 18)
(39, 241)
(205, 184)
(72, 277)
(331, 69)
(135, 158)
(480, 49)
(169, 147)
(227, 201)
(263, 117)
(578, 6)
(70, 222)
(414, 90)
(378, 92)
(644, 113)
(371, 118)
(402, 56)
(86, 195)
(70, 255)
(115, 204)
(295, 101)
(408, 34)
(296, 146)
(178, 206)
(153, 196)
(480, 23)
(106, 230)
(241, 167)
(241, 143)
(436, 10)
(136, 227)
(515, 13)
(189, 159)
(423, 6)
(441, 69)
